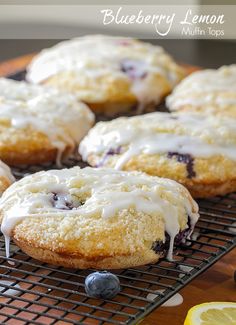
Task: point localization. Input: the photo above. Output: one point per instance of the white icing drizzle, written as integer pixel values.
(7, 245)
(185, 133)
(175, 300)
(206, 88)
(94, 56)
(134, 190)
(22, 91)
(59, 116)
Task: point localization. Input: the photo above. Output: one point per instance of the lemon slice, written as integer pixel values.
(212, 313)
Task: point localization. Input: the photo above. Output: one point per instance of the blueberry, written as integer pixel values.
(110, 152)
(134, 69)
(104, 285)
(185, 159)
(65, 201)
(62, 201)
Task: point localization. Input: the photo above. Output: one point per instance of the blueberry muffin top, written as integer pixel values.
(57, 116)
(132, 66)
(207, 90)
(156, 133)
(85, 211)
(197, 150)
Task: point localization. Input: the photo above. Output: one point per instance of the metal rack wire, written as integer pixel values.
(32, 292)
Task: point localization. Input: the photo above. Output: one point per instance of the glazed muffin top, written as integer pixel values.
(57, 115)
(94, 207)
(206, 90)
(97, 56)
(185, 133)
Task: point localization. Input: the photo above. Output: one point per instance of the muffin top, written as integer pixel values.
(185, 133)
(57, 115)
(72, 204)
(100, 57)
(207, 89)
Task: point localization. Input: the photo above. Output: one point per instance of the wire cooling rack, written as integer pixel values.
(37, 293)
(32, 292)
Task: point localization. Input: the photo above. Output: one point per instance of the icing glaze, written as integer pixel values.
(175, 300)
(206, 87)
(59, 116)
(192, 134)
(22, 91)
(94, 56)
(135, 191)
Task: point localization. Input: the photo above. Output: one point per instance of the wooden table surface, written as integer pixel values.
(215, 284)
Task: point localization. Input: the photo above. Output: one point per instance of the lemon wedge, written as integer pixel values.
(212, 313)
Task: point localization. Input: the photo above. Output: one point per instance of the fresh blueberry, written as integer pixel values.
(104, 285)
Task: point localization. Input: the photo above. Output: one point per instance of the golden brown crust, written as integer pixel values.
(112, 108)
(26, 146)
(4, 183)
(96, 241)
(116, 94)
(79, 262)
(206, 191)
